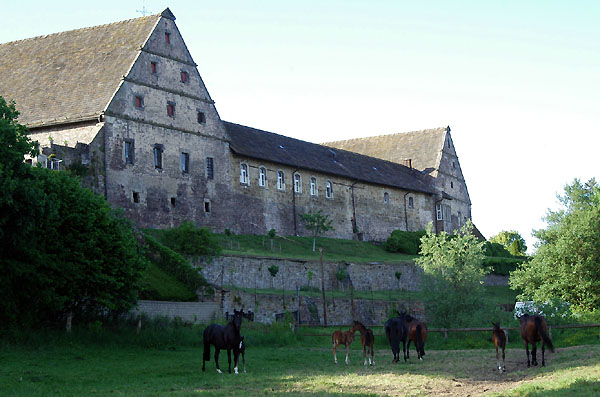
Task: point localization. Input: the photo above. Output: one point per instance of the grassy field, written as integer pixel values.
(75, 370)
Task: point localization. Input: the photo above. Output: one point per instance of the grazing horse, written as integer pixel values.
(534, 329)
(224, 337)
(367, 340)
(417, 333)
(396, 331)
(499, 339)
(342, 338)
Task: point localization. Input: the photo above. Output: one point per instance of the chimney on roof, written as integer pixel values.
(407, 162)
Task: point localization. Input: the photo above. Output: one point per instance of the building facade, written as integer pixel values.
(125, 106)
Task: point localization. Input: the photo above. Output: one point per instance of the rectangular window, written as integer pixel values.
(210, 171)
(185, 163)
(201, 117)
(129, 152)
(158, 151)
(153, 67)
(139, 102)
(280, 180)
(297, 183)
(171, 109)
(136, 197)
(184, 77)
(167, 37)
(244, 174)
(438, 211)
(207, 206)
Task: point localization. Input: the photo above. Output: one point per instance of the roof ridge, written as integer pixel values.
(79, 29)
(385, 135)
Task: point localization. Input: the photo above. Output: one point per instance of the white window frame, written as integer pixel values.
(411, 203)
(262, 176)
(314, 187)
(280, 180)
(297, 183)
(439, 213)
(328, 189)
(244, 174)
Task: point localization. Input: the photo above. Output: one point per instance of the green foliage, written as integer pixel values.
(502, 266)
(157, 284)
(273, 270)
(189, 240)
(565, 266)
(317, 223)
(496, 250)
(175, 265)
(452, 283)
(512, 241)
(272, 233)
(341, 274)
(405, 242)
(228, 232)
(398, 275)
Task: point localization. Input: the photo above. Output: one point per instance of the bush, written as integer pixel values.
(189, 240)
(496, 250)
(404, 242)
(502, 266)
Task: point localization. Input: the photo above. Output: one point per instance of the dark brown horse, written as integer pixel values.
(533, 330)
(499, 339)
(367, 339)
(417, 332)
(342, 338)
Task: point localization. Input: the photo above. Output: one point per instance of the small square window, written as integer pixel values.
(185, 77)
(139, 102)
(171, 109)
(153, 67)
(201, 117)
(136, 197)
(167, 37)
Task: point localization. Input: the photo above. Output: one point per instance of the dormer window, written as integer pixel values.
(185, 77)
(167, 37)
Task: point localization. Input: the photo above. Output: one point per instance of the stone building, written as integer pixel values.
(125, 106)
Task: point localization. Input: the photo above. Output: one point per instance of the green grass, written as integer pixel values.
(159, 285)
(167, 360)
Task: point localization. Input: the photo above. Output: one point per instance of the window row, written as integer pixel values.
(135, 196)
(158, 154)
(170, 108)
(297, 181)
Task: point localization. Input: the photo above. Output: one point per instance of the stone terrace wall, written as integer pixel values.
(251, 272)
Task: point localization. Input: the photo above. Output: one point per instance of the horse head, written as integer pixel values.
(237, 319)
(496, 325)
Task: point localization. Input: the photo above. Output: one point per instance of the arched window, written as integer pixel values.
(262, 177)
(280, 180)
(244, 174)
(329, 190)
(297, 183)
(411, 203)
(386, 197)
(314, 190)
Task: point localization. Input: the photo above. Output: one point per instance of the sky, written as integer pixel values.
(517, 82)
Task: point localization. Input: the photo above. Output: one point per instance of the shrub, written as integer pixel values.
(502, 266)
(187, 239)
(404, 242)
(496, 250)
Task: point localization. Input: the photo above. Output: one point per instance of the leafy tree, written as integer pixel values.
(512, 241)
(187, 239)
(452, 283)
(566, 264)
(317, 223)
(63, 248)
(273, 270)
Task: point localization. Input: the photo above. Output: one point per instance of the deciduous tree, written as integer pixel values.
(512, 241)
(317, 223)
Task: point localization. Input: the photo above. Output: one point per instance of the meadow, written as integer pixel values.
(166, 359)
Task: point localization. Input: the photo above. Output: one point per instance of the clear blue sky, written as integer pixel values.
(518, 82)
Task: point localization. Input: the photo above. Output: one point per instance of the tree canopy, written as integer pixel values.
(452, 283)
(317, 222)
(512, 241)
(63, 248)
(566, 265)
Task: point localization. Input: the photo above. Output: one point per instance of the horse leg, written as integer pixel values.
(236, 360)
(217, 350)
(372, 348)
(527, 351)
(244, 361)
(534, 354)
(365, 353)
(205, 355)
(404, 350)
(347, 353)
(229, 360)
(503, 366)
(543, 353)
(498, 358)
(408, 349)
(334, 352)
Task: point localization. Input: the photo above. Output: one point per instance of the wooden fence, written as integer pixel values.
(447, 330)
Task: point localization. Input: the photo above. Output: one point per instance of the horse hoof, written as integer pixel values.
(219, 371)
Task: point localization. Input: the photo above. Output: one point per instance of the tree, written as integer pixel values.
(452, 283)
(63, 248)
(317, 223)
(566, 264)
(512, 241)
(273, 270)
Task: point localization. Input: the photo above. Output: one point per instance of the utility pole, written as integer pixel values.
(323, 288)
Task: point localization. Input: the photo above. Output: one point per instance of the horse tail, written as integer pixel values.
(420, 340)
(538, 325)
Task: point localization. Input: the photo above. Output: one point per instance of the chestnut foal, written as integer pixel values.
(342, 338)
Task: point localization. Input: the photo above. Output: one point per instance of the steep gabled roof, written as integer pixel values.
(267, 146)
(73, 75)
(422, 147)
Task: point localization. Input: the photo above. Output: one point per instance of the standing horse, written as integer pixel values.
(342, 338)
(224, 337)
(534, 329)
(367, 339)
(499, 339)
(396, 332)
(417, 333)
